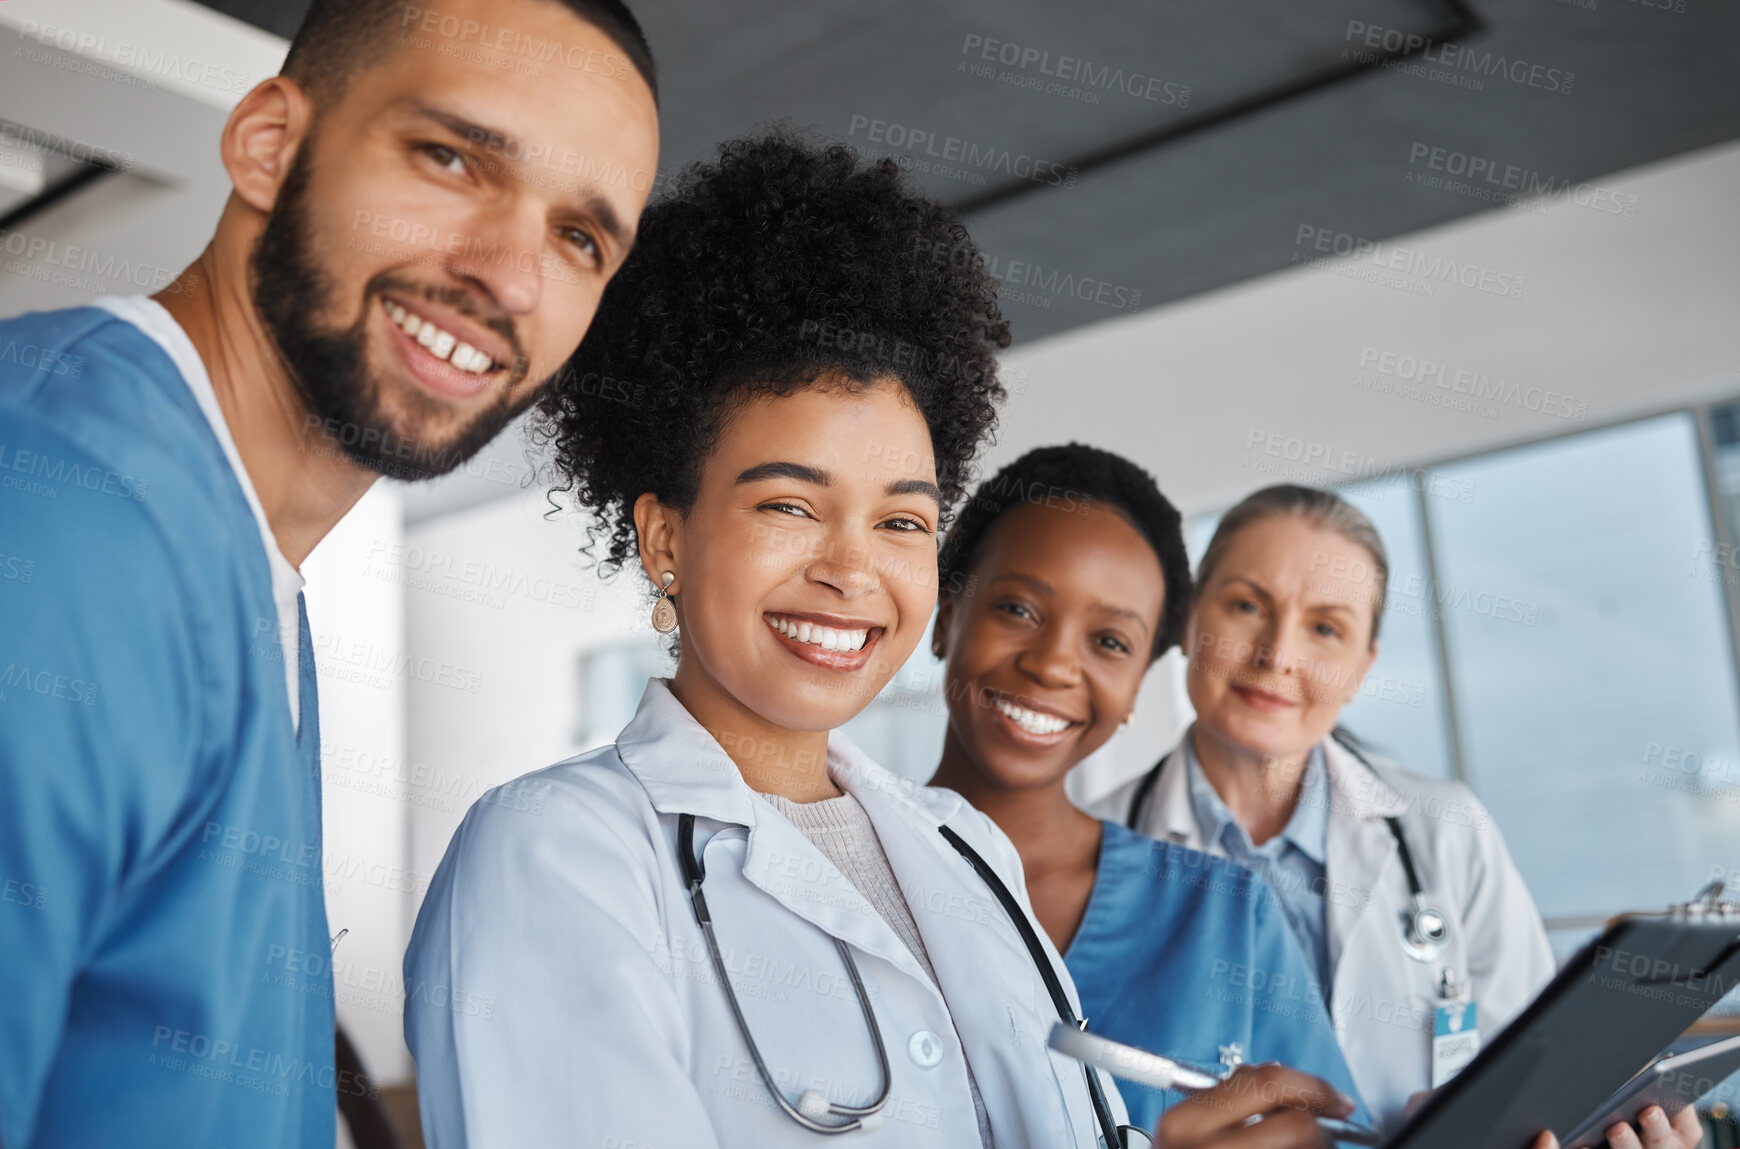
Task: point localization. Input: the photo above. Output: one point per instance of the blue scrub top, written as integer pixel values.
(1186, 955)
(164, 955)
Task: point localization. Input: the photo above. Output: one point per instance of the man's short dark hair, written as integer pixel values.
(340, 38)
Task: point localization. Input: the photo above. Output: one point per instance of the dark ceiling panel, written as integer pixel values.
(982, 95)
(1391, 153)
(280, 17)
(1215, 207)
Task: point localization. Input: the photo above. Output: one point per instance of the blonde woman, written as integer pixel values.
(1398, 885)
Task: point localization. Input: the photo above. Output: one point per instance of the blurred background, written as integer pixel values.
(1478, 265)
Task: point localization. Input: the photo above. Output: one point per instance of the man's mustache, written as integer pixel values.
(462, 301)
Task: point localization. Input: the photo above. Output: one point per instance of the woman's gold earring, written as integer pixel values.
(664, 614)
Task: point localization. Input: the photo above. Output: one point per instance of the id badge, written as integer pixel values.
(1455, 1039)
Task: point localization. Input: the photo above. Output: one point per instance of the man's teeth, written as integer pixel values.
(1031, 720)
(825, 637)
(439, 343)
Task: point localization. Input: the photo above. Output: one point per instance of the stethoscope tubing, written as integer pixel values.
(1059, 999)
(695, 873)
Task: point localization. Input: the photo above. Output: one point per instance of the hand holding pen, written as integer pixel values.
(1257, 1106)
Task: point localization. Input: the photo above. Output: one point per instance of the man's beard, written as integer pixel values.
(330, 368)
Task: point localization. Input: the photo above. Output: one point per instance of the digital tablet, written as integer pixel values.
(1673, 1083)
(1606, 1015)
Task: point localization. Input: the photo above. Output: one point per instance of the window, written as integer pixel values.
(1592, 666)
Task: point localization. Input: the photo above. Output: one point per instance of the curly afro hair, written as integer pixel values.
(1074, 474)
(781, 266)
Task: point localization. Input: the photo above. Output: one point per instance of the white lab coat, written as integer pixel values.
(559, 992)
(1383, 1001)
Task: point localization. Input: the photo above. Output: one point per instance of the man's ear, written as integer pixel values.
(262, 137)
(657, 528)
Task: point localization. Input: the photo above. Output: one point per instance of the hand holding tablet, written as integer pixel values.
(1672, 1084)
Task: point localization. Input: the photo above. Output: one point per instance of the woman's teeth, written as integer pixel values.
(439, 343)
(1031, 720)
(825, 637)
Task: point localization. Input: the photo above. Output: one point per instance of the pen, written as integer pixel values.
(1128, 1062)
(1146, 1068)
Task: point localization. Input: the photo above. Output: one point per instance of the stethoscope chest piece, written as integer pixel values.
(1425, 931)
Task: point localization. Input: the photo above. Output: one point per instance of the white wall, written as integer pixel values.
(500, 602)
(363, 666)
(134, 229)
(182, 47)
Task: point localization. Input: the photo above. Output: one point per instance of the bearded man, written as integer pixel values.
(427, 205)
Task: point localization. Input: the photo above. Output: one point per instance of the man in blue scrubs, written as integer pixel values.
(427, 206)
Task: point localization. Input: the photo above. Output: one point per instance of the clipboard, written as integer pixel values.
(1608, 1012)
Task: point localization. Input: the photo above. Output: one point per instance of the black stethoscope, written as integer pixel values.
(1425, 928)
(812, 1106)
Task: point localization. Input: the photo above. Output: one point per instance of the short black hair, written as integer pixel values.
(781, 266)
(1072, 475)
(339, 38)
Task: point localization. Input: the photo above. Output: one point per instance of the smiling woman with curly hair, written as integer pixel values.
(783, 393)
(730, 928)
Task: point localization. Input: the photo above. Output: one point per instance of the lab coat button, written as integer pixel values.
(925, 1049)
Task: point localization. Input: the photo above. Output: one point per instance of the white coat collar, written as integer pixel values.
(686, 771)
